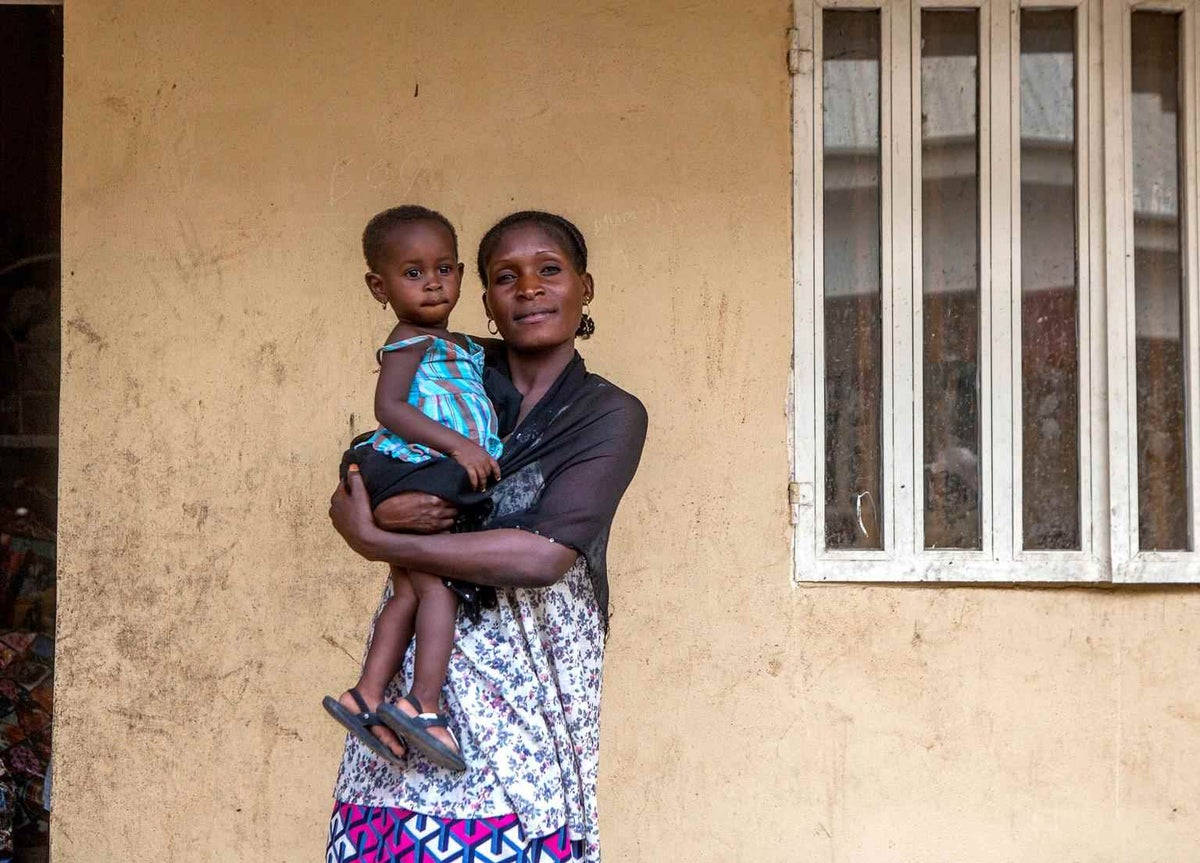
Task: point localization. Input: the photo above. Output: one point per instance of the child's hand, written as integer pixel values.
(478, 464)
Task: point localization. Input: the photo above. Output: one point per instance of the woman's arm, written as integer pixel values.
(500, 558)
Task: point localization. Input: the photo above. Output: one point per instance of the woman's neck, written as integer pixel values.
(533, 374)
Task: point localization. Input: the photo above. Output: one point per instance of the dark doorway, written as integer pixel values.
(31, 64)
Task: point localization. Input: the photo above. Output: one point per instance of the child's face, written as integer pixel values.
(419, 276)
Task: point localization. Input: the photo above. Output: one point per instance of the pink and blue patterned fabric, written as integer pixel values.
(447, 388)
(380, 834)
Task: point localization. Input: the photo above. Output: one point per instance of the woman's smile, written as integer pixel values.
(533, 316)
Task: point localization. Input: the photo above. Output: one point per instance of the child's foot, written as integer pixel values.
(424, 731)
(386, 736)
(438, 733)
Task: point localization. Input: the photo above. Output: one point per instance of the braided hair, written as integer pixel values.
(374, 239)
(562, 230)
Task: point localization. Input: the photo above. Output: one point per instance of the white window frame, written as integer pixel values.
(1129, 563)
(1107, 422)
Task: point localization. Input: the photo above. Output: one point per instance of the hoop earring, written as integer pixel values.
(587, 326)
(491, 323)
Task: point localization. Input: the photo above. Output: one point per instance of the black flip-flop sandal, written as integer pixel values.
(360, 724)
(414, 730)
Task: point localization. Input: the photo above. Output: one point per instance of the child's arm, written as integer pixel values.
(396, 372)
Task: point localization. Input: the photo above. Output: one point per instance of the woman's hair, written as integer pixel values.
(374, 239)
(562, 230)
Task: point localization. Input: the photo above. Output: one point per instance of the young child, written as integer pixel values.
(437, 434)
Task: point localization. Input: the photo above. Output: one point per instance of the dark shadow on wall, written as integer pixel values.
(31, 68)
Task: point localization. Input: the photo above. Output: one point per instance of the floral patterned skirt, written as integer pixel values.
(381, 834)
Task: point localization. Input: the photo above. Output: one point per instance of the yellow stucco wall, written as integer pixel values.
(220, 161)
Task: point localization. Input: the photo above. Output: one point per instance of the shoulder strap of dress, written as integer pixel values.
(401, 345)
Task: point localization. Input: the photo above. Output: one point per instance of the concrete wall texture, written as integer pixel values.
(220, 161)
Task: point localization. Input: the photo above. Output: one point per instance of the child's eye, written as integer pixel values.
(445, 269)
(414, 273)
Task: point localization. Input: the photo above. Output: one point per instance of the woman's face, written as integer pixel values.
(534, 294)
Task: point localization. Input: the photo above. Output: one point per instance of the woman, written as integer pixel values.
(524, 682)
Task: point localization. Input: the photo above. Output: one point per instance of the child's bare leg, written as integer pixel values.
(437, 608)
(393, 632)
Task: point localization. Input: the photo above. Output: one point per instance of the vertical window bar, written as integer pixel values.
(950, 252)
(1158, 259)
(852, 269)
(1050, 463)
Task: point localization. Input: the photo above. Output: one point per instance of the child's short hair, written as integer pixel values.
(374, 236)
(569, 236)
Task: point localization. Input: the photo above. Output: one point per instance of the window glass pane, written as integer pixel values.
(950, 268)
(1049, 283)
(853, 325)
(1158, 282)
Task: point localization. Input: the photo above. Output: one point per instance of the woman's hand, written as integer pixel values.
(416, 512)
(350, 512)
